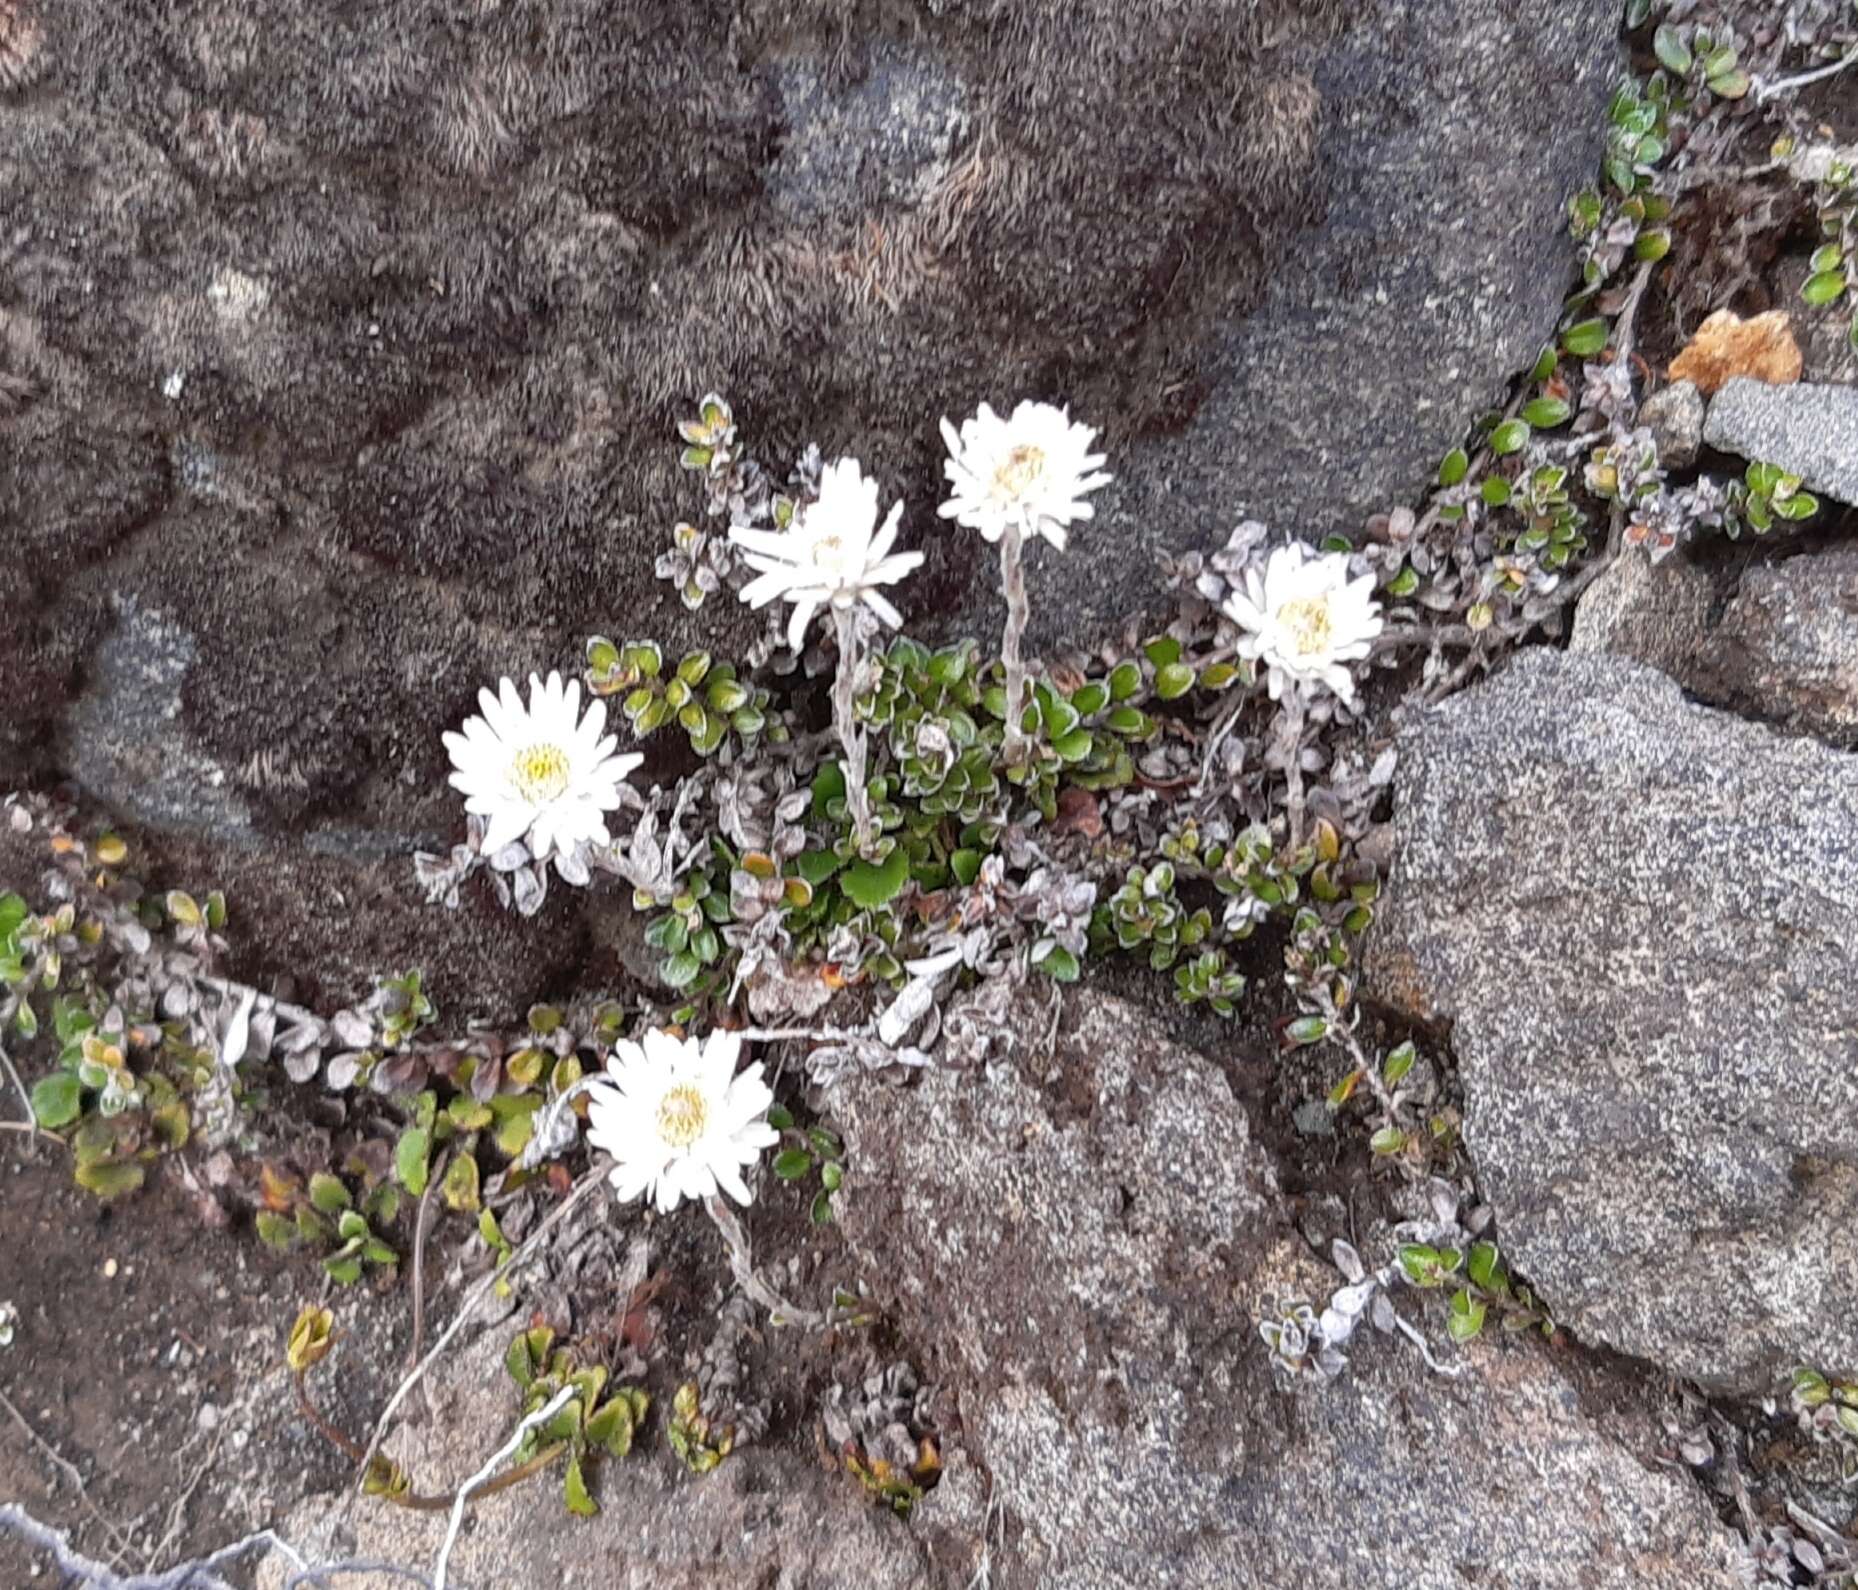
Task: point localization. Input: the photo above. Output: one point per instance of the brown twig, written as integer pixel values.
(69, 1470)
(412, 1500)
(530, 1246)
(32, 1127)
(419, 1269)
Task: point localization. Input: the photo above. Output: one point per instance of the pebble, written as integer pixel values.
(208, 1417)
(109, 1269)
(1809, 430)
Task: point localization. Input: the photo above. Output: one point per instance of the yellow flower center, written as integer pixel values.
(540, 773)
(1306, 622)
(681, 1116)
(1021, 468)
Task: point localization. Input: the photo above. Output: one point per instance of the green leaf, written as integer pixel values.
(1545, 413)
(1456, 465)
(1172, 681)
(13, 911)
(460, 1188)
(1074, 747)
(1496, 494)
(793, 1163)
(1672, 52)
(1730, 85)
(1484, 1267)
(574, 1490)
(1824, 288)
(109, 1178)
(1162, 651)
(1399, 1062)
(410, 1159)
(1388, 1140)
(275, 1230)
(966, 866)
(57, 1099)
(1306, 1030)
(1652, 246)
(680, 970)
(1585, 338)
(870, 886)
(821, 1212)
(1059, 964)
(327, 1194)
(1125, 681)
(1509, 437)
(1466, 1318)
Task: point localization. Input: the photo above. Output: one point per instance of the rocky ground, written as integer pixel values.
(1620, 926)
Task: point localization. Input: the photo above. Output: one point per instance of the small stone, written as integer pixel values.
(1657, 613)
(208, 1417)
(109, 1269)
(1727, 346)
(1810, 431)
(1675, 416)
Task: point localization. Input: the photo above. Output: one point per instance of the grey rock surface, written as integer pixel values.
(764, 1520)
(1809, 430)
(1087, 1234)
(1783, 648)
(1675, 416)
(1640, 919)
(349, 343)
(1788, 644)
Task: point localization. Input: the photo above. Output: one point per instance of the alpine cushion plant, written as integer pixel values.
(1010, 479)
(678, 1119)
(543, 773)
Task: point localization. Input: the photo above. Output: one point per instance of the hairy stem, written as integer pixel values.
(1018, 610)
(851, 732)
(1293, 769)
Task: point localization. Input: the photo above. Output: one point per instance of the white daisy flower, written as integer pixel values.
(1305, 619)
(833, 553)
(1030, 471)
(541, 773)
(678, 1120)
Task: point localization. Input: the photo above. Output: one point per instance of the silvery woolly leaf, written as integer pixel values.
(510, 857)
(530, 885)
(302, 1065)
(1382, 1314)
(1347, 1260)
(343, 1070)
(1444, 1200)
(301, 1036)
(573, 867)
(135, 938)
(178, 1000)
(351, 1027)
(238, 1035)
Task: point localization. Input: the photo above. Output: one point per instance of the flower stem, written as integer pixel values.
(850, 731)
(1018, 610)
(1293, 768)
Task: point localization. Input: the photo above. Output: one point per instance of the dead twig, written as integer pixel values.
(69, 1470)
(530, 1246)
(481, 1480)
